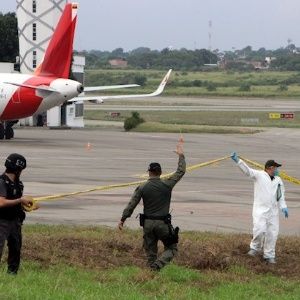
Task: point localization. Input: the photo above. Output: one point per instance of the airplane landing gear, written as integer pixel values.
(6, 130)
(2, 131)
(9, 133)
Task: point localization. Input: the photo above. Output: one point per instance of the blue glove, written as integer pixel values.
(234, 157)
(285, 212)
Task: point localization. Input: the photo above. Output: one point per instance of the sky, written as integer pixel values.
(157, 24)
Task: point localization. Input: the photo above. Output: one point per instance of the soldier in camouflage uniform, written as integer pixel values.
(156, 220)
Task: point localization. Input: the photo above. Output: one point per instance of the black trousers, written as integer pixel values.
(11, 231)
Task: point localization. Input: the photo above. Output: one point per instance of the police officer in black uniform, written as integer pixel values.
(11, 212)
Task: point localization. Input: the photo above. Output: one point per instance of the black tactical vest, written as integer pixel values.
(14, 191)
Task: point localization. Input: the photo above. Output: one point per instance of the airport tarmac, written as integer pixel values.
(215, 198)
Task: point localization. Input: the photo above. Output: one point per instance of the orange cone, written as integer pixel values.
(88, 146)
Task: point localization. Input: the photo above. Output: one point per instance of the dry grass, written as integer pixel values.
(102, 248)
(221, 119)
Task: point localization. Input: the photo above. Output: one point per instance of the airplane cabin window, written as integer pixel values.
(34, 31)
(34, 6)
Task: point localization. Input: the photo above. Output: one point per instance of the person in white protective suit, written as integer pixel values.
(268, 196)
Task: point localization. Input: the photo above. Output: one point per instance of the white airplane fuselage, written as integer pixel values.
(19, 99)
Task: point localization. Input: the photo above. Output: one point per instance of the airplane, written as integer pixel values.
(23, 95)
(101, 99)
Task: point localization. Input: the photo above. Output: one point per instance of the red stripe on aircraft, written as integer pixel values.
(58, 55)
(25, 102)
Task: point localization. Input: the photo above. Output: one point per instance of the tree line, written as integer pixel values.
(281, 59)
(9, 42)
(145, 58)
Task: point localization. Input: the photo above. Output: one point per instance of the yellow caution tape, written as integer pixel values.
(32, 207)
(99, 188)
(289, 178)
(211, 162)
(113, 186)
(253, 163)
(282, 174)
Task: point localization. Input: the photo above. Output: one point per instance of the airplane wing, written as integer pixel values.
(157, 92)
(93, 99)
(43, 88)
(86, 89)
(108, 87)
(100, 99)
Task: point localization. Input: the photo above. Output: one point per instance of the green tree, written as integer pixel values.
(9, 45)
(140, 79)
(245, 87)
(118, 53)
(211, 86)
(133, 121)
(289, 62)
(283, 88)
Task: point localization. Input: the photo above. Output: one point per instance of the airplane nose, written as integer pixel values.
(80, 88)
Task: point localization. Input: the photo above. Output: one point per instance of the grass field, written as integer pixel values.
(61, 262)
(203, 118)
(262, 83)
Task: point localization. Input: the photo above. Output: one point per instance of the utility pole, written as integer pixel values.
(209, 34)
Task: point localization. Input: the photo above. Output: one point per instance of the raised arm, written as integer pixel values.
(252, 173)
(181, 168)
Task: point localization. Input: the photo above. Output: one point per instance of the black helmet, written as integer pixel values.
(15, 162)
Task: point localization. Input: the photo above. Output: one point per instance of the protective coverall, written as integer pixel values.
(268, 195)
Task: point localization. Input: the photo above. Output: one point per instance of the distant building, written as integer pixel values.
(268, 60)
(258, 65)
(118, 62)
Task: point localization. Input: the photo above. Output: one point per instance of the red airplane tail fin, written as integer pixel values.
(58, 56)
